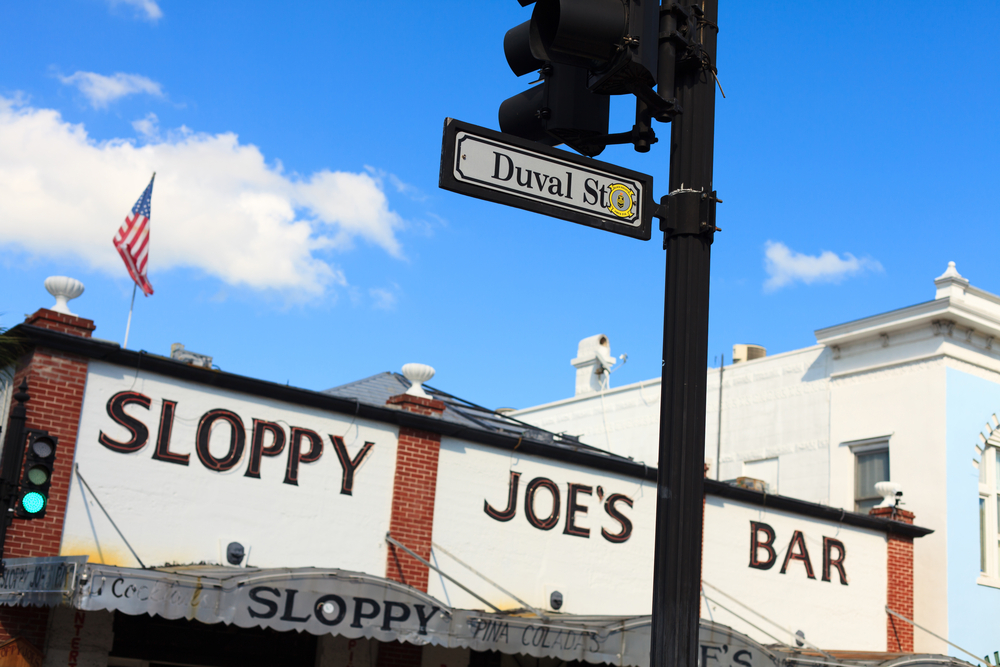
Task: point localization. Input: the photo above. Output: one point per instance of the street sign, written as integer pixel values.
(501, 168)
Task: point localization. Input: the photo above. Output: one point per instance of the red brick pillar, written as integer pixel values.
(56, 382)
(899, 597)
(412, 519)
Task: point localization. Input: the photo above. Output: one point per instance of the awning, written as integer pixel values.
(356, 605)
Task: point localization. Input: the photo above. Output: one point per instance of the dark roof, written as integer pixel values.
(377, 389)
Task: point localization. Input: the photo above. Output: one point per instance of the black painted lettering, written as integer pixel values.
(137, 430)
(271, 606)
(295, 455)
(739, 655)
(573, 508)
(290, 608)
(829, 544)
(541, 180)
(623, 521)
(163, 452)
(257, 449)
(705, 655)
(237, 440)
(511, 509)
(590, 191)
(549, 522)
(496, 167)
(555, 186)
(604, 193)
(425, 617)
(527, 180)
(569, 185)
(347, 464)
(389, 617)
(330, 599)
(798, 540)
(756, 544)
(359, 610)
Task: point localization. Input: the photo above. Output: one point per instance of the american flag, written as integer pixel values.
(132, 240)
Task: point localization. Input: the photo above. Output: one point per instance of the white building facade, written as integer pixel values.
(909, 396)
(192, 509)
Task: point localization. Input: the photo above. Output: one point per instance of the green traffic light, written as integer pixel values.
(33, 502)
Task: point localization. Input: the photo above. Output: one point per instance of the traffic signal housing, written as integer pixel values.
(616, 41)
(559, 109)
(33, 496)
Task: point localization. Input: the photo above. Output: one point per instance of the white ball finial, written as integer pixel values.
(63, 289)
(417, 374)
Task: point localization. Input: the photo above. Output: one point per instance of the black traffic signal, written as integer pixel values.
(616, 41)
(559, 109)
(33, 497)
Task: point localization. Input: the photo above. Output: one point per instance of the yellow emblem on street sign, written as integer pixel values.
(621, 200)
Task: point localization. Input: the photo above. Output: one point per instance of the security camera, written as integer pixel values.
(556, 600)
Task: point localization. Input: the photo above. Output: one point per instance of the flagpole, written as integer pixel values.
(128, 324)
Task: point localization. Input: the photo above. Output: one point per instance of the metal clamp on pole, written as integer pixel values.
(687, 212)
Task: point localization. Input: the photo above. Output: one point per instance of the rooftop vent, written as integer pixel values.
(593, 362)
(752, 484)
(178, 353)
(748, 352)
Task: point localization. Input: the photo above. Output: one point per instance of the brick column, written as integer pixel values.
(899, 597)
(56, 382)
(412, 518)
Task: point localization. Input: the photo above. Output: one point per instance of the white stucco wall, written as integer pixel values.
(905, 403)
(775, 407)
(173, 513)
(599, 577)
(831, 614)
(594, 575)
(878, 377)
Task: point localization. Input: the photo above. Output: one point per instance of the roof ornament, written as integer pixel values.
(417, 374)
(950, 284)
(63, 289)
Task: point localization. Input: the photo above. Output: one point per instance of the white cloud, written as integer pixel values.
(785, 266)
(218, 206)
(102, 90)
(383, 299)
(147, 9)
(148, 127)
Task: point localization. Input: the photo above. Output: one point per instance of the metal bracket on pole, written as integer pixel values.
(687, 212)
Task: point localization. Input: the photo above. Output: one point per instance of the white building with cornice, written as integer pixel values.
(910, 396)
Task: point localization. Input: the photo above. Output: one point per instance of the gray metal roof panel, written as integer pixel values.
(377, 389)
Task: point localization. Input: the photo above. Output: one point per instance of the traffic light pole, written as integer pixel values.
(13, 459)
(688, 31)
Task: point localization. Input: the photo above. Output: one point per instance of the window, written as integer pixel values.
(871, 465)
(989, 515)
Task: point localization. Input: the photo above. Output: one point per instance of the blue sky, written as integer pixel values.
(298, 234)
